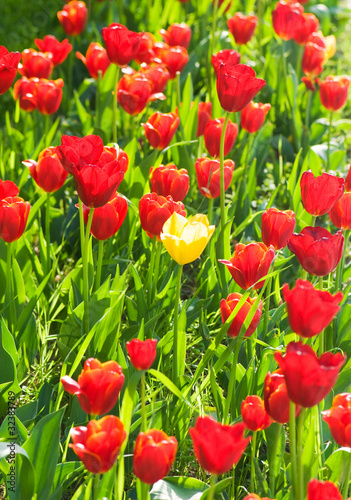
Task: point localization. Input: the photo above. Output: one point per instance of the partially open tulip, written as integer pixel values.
(208, 176)
(204, 113)
(213, 132)
(217, 447)
(48, 95)
(48, 172)
(134, 92)
(340, 213)
(96, 60)
(8, 188)
(276, 399)
(237, 86)
(121, 44)
(98, 386)
(8, 68)
(167, 180)
(308, 378)
(146, 53)
(186, 239)
(174, 58)
(230, 57)
(154, 210)
(317, 250)
(318, 50)
(320, 193)
(253, 116)
(254, 414)
(338, 419)
(306, 24)
(320, 490)
(59, 50)
(227, 307)
(285, 17)
(35, 63)
(107, 219)
(158, 74)
(73, 17)
(242, 27)
(333, 92)
(310, 310)
(14, 213)
(249, 264)
(154, 454)
(98, 444)
(160, 129)
(277, 227)
(142, 353)
(177, 34)
(25, 91)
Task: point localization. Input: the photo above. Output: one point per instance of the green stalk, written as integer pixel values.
(253, 458)
(97, 100)
(156, 268)
(96, 482)
(8, 296)
(292, 436)
(210, 49)
(210, 210)
(143, 408)
(47, 234)
(175, 366)
(329, 137)
(266, 306)
(260, 23)
(151, 270)
(99, 264)
(46, 128)
(345, 488)
(299, 60)
(114, 109)
(341, 265)
(221, 160)
(87, 241)
(272, 477)
(322, 334)
(308, 109)
(210, 496)
(300, 478)
(235, 344)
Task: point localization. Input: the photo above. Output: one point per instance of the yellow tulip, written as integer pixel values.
(184, 239)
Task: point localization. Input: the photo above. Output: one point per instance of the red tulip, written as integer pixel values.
(174, 58)
(338, 419)
(217, 447)
(308, 378)
(142, 353)
(310, 83)
(177, 34)
(348, 180)
(320, 193)
(320, 490)
(158, 74)
(96, 60)
(160, 129)
(35, 63)
(121, 44)
(48, 95)
(25, 91)
(8, 189)
(285, 17)
(213, 132)
(208, 176)
(253, 496)
(73, 17)
(242, 27)
(340, 213)
(318, 50)
(98, 444)
(134, 92)
(14, 213)
(154, 455)
(333, 92)
(276, 399)
(167, 180)
(306, 24)
(249, 264)
(253, 115)
(48, 172)
(317, 250)
(8, 68)
(310, 310)
(146, 52)
(59, 50)
(108, 218)
(236, 86)
(98, 386)
(204, 113)
(154, 210)
(229, 57)
(254, 414)
(277, 227)
(227, 307)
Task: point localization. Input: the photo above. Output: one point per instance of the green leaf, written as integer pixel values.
(177, 488)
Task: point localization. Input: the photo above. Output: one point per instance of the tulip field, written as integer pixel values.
(175, 221)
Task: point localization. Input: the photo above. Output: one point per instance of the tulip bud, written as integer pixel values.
(242, 27)
(142, 353)
(212, 136)
(73, 17)
(254, 414)
(227, 307)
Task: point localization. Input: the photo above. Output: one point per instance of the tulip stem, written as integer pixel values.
(97, 100)
(272, 463)
(178, 97)
(157, 267)
(235, 345)
(341, 265)
(266, 306)
(99, 264)
(151, 270)
(308, 108)
(96, 482)
(345, 488)
(329, 137)
(210, 210)
(253, 458)
(210, 49)
(87, 241)
(47, 234)
(176, 368)
(221, 160)
(299, 60)
(9, 298)
(292, 436)
(210, 496)
(114, 109)
(300, 478)
(322, 334)
(143, 408)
